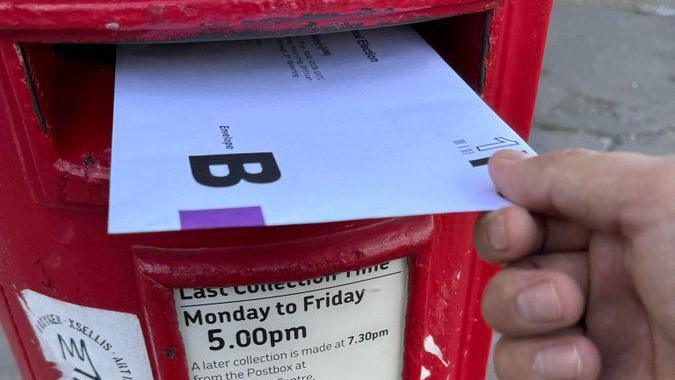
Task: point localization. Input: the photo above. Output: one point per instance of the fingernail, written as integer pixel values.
(496, 232)
(502, 167)
(539, 303)
(560, 362)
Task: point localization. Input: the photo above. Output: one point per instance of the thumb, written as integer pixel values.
(597, 190)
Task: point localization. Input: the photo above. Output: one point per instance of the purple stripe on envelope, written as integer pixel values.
(221, 217)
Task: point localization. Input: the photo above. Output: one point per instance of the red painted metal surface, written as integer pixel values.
(55, 124)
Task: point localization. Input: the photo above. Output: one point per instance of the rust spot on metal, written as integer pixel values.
(189, 10)
(318, 16)
(155, 10)
(486, 52)
(89, 160)
(28, 74)
(48, 285)
(47, 282)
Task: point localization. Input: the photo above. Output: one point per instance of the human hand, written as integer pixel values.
(588, 290)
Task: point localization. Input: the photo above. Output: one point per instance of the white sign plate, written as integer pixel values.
(88, 343)
(343, 326)
(297, 130)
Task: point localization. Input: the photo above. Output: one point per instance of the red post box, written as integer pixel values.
(80, 302)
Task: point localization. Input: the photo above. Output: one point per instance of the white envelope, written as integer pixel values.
(311, 129)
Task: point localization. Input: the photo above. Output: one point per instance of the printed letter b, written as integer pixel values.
(201, 169)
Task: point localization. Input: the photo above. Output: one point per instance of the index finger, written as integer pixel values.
(597, 190)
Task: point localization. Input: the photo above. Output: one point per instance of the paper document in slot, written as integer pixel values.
(309, 129)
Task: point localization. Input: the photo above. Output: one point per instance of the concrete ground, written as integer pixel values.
(8, 369)
(608, 83)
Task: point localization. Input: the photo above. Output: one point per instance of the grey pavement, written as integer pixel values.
(8, 369)
(649, 7)
(608, 83)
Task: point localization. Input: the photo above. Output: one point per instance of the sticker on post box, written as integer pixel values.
(85, 342)
(342, 326)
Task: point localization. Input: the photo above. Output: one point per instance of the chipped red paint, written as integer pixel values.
(160, 20)
(55, 124)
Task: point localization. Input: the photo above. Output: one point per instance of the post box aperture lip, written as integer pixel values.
(304, 255)
(143, 20)
(72, 85)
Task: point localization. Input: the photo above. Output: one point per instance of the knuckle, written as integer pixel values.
(663, 177)
(505, 362)
(564, 155)
(499, 282)
(653, 200)
(487, 301)
(496, 297)
(502, 360)
(479, 234)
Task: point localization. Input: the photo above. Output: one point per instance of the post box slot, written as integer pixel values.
(72, 89)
